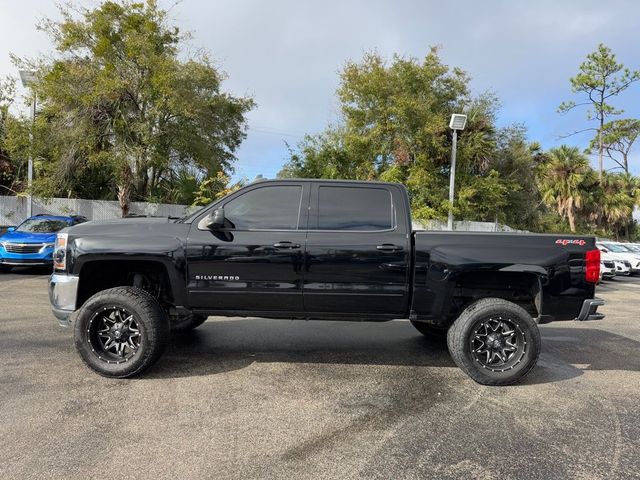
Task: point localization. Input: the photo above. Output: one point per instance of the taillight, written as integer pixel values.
(60, 252)
(592, 272)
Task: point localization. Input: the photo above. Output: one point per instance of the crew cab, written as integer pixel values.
(318, 249)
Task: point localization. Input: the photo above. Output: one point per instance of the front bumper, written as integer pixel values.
(19, 262)
(588, 310)
(63, 290)
(43, 257)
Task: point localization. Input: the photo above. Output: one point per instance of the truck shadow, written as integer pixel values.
(226, 345)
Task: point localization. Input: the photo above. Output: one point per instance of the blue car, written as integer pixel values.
(32, 242)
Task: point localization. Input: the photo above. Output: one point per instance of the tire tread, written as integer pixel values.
(456, 341)
(156, 337)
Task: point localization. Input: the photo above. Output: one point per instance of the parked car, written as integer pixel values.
(318, 249)
(618, 251)
(622, 267)
(634, 247)
(32, 242)
(607, 268)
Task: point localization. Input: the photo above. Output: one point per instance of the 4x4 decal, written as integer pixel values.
(569, 241)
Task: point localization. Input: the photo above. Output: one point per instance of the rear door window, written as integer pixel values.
(354, 208)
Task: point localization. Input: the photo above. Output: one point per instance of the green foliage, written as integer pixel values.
(124, 114)
(570, 186)
(611, 204)
(618, 138)
(119, 99)
(213, 188)
(600, 79)
(9, 171)
(562, 180)
(394, 126)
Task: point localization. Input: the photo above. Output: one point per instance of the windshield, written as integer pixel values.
(189, 217)
(42, 225)
(616, 248)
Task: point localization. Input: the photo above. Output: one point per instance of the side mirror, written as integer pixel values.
(215, 220)
(11, 229)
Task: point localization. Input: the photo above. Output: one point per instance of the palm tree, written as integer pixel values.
(613, 201)
(561, 179)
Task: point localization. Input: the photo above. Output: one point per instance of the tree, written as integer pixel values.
(119, 98)
(7, 175)
(600, 79)
(394, 126)
(611, 203)
(618, 137)
(561, 181)
(517, 160)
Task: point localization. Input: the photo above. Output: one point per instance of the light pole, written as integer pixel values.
(27, 77)
(457, 122)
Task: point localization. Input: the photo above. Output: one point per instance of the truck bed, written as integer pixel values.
(545, 272)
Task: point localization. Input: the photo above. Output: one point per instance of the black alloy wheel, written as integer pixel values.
(494, 341)
(121, 331)
(498, 344)
(114, 334)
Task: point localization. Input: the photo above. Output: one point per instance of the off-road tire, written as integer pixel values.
(152, 323)
(185, 323)
(430, 331)
(463, 333)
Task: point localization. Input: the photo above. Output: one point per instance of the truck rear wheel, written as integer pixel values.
(184, 323)
(430, 331)
(120, 332)
(494, 341)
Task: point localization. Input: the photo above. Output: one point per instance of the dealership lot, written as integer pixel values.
(245, 398)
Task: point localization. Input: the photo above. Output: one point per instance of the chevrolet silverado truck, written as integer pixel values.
(317, 249)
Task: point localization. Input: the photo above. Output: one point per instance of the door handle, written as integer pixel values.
(289, 245)
(389, 247)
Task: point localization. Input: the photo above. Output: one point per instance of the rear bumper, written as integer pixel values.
(63, 290)
(588, 310)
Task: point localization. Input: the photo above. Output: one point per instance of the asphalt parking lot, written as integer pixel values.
(245, 398)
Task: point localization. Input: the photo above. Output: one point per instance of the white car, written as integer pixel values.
(607, 268)
(634, 247)
(622, 267)
(619, 252)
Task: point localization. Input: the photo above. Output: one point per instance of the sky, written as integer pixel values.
(286, 54)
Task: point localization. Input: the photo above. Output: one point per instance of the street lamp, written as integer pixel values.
(28, 77)
(457, 122)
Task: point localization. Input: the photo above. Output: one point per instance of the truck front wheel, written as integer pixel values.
(121, 331)
(494, 341)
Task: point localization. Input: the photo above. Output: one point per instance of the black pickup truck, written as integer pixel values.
(317, 249)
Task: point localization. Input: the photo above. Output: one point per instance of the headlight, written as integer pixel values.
(60, 252)
(48, 245)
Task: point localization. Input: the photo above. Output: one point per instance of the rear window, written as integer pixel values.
(616, 248)
(354, 208)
